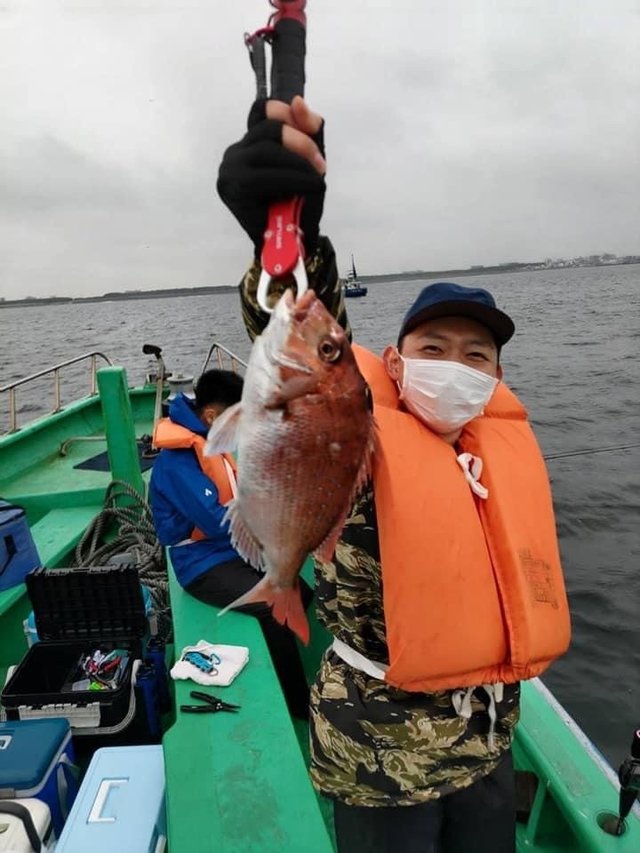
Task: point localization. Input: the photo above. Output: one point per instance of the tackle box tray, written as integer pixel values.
(76, 612)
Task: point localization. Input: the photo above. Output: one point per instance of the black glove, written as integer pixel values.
(258, 170)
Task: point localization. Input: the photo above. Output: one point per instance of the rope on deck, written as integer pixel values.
(136, 537)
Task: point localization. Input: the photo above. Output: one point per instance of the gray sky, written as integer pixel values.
(457, 133)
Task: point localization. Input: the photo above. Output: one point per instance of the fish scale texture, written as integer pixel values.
(299, 461)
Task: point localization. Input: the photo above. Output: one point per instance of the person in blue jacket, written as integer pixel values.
(188, 494)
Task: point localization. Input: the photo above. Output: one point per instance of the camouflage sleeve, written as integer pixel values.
(349, 594)
(322, 272)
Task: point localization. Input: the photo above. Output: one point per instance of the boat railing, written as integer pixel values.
(221, 353)
(54, 371)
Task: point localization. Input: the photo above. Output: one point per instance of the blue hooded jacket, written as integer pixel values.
(183, 497)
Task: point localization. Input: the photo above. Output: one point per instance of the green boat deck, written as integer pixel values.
(239, 782)
(35, 474)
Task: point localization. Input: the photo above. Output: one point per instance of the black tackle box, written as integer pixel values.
(78, 611)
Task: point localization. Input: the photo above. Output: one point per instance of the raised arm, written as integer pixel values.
(281, 156)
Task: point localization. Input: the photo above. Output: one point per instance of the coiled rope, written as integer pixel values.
(136, 538)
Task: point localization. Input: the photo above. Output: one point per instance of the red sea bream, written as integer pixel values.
(304, 434)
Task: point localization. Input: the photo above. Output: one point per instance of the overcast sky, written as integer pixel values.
(457, 133)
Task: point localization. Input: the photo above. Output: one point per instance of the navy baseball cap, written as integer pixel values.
(445, 299)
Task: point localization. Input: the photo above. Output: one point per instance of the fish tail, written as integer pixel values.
(286, 604)
(288, 609)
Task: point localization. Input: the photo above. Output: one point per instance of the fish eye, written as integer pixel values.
(329, 350)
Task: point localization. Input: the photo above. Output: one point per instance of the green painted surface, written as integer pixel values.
(319, 636)
(9, 597)
(237, 782)
(35, 474)
(573, 789)
(119, 428)
(60, 530)
(36, 442)
(311, 656)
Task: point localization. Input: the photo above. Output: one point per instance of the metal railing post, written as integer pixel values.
(56, 391)
(13, 422)
(220, 351)
(55, 370)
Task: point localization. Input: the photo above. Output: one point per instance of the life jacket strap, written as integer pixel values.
(358, 661)
(461, 701)
(472, 469)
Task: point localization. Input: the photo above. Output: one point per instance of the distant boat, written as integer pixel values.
(352, 286)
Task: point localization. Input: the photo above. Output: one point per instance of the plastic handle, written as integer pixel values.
(282, 247)
(282, 252)
(99, 804)
(10, 548)
(289, 51)
(287, 80)
(23, 814)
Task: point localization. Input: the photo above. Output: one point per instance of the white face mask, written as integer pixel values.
(445, 395)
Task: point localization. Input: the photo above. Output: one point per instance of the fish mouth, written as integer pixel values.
(288, 313)
(300, 308)
(291, 309)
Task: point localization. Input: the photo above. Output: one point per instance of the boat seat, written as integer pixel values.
(238, 777)
(59, 531)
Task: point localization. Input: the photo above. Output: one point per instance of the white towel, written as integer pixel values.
(232, 661)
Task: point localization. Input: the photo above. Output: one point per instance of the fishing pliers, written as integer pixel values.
(212, 704)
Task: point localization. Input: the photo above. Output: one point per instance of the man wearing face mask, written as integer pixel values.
(446, 588)
(188, 494)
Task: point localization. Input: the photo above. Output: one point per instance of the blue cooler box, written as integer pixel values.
(120, 805)
(37, 760)
(18, 553)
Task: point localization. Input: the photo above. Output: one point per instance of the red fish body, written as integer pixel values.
(304, 433)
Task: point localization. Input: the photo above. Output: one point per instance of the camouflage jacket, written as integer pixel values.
(372, 744)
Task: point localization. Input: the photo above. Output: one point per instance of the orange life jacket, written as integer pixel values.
(171, 436)
(473, 589)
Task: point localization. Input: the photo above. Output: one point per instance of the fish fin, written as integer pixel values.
(366, 466)
(286, 604)
(223, 435)
(288, 609)
(290, 389)
(242, 538)
(326, 550)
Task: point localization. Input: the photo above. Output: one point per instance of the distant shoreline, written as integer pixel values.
(414, 275)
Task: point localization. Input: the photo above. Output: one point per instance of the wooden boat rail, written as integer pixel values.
(10, 388)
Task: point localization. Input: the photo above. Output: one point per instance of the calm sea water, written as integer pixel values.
(573, 361)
